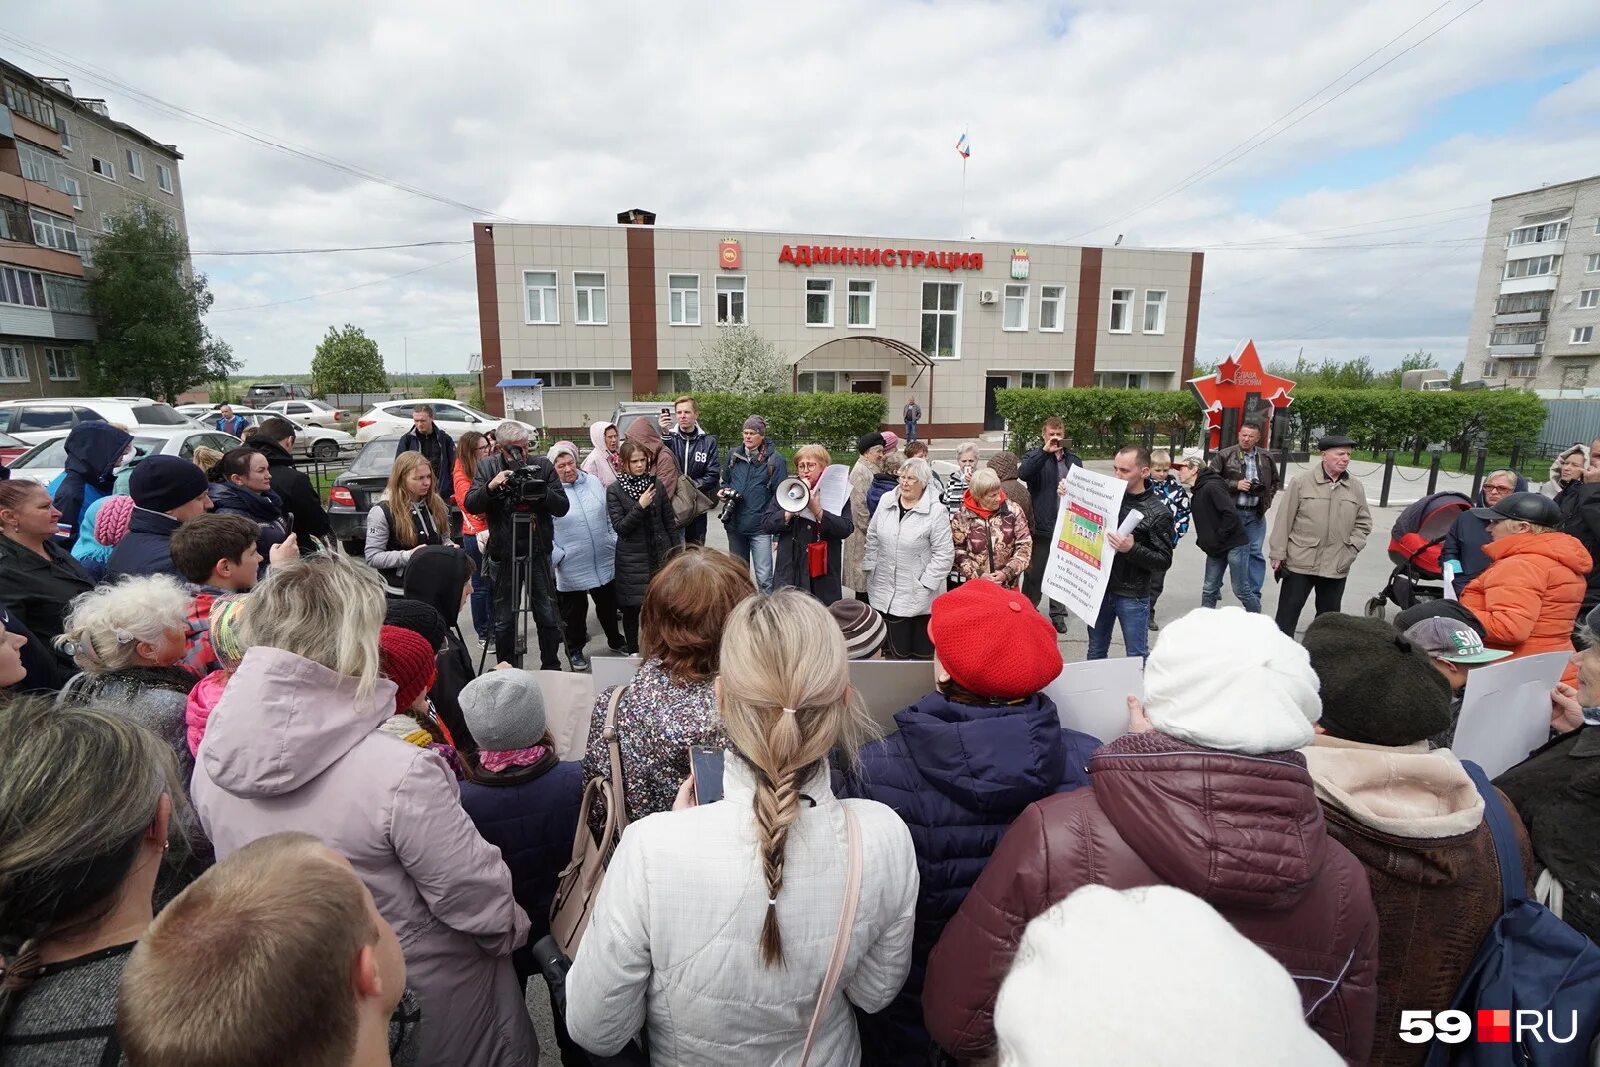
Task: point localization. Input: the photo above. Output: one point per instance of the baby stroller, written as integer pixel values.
(1414, 545)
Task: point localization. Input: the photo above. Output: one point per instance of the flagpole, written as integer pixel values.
(964, 155)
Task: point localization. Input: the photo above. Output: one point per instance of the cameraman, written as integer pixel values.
(1044, 471)
(492, 496)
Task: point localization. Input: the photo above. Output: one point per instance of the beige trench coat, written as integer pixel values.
(1320, 525)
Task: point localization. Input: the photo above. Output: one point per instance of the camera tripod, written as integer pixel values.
(525, 620)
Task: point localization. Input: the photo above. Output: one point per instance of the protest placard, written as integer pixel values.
(1080, 558)
(1505, 711)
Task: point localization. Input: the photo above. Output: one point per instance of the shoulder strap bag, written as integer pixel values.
(841, 940)
(579, 882)
(688, 502)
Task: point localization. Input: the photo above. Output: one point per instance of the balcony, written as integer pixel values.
(1519, 317)
(1539, 283)
(1535, 349)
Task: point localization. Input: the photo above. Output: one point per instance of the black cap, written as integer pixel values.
(870, 441)
(1334, 440)
(1529, 507)
(1441, 608)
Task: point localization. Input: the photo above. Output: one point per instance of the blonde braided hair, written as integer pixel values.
(785, 697)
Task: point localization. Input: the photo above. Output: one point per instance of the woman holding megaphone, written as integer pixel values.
(809, 539)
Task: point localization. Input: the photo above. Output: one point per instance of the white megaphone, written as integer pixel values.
(794, 495)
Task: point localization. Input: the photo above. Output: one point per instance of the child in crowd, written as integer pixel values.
(1175, 495)
(218, 557)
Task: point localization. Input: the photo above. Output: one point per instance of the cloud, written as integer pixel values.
(841, 118)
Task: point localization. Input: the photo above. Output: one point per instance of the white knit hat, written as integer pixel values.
(1151, 976)
(1225, 678)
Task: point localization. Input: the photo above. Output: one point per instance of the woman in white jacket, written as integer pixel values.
(716, 924)
(910, 550)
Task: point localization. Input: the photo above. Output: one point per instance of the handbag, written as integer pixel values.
(688, 502)
(579, 883)
(841, 940)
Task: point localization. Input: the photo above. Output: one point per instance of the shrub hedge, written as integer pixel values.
(834, 420)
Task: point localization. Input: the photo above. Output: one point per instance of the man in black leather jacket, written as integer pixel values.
(490, 496)
(1147, 549)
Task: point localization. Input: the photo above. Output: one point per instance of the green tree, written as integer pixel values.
(739, 361)
(1418, 360)
(148, 304)
(443, 387)
(347, 361)
(1455, 375)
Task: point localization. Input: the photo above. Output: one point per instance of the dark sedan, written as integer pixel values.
(358, 490)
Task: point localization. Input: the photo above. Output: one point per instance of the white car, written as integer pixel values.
(451, 416)
(311, 441)
(43, 462)
(311, 413)
(38, 420)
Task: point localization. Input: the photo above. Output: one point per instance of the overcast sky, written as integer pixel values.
(842, 117)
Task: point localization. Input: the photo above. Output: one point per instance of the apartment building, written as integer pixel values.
(601, 314)
(1536, 316)
(66, 168)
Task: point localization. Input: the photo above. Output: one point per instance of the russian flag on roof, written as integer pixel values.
(964, 146)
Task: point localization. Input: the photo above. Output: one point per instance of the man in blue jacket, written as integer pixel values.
(1043, 471)
(751, 478)
(965, 761)
(696, 453)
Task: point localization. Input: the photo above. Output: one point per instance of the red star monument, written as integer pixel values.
(1230, 386)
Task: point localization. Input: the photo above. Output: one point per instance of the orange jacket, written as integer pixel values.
(470, 523)
(1528, 599)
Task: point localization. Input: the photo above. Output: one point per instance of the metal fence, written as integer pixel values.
(1569, 421)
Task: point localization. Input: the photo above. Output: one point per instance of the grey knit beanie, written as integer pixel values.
(504, 709)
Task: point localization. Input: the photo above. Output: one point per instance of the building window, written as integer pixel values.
(677, 381)
(1034, 379)
(541, 289)
(1589, 298)
(103, 168)
(571, 379)
(13, 364)
(30, 104)
(1121, 311)
(53, 231)
(23, 287)
(1014, 310)
(1521, 303)
(135, 164)
(730, 300)
(61, 364)
(1582, 335)
(1530, 235)
(941, 320)
(683, 299)
(164, 177)
(589, 298)
(67, 295)
(1155, 311)
(1517, 335)
(819, 301)
(75, 191)
(1120, 379)
(822, 381)
(1519, 368)
(1050, 298)
(1592, 264)
(43, 167)
(1536, 266)
(65, 131)
(862, 309)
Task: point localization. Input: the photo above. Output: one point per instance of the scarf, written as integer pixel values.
(495, 762)
(970, 502)
(635, 484)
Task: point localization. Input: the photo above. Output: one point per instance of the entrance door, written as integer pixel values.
(866, 385)
(992, 420)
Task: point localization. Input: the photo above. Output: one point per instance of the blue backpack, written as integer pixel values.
(1531, 961)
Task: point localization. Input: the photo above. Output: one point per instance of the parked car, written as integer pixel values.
(312, 413)
(627, 412)
(34, 421)
(44, 461)
(11, 448)
(313, 441)
(357, 489)
(394, 416)
(189, 411)
(265, 393)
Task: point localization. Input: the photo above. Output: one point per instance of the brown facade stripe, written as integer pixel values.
(488, 317)
(1191, 329)
(642, 309)
(1088, 319)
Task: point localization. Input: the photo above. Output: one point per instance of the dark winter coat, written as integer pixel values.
(1152, 545)
(531, 815)
(46, 673)
(1228, 463)
(263, 509)
(958, 774)
(146, 548)
(37, 592)
(293, 486)
(1244, 833)
(1580, 517)
(792, 566)
(1554, 791)
(1042, 474)
(644, 540)
(1217, 529)
(697, 458)
(755, 480)
(880, 486)
(439, 448)
(435, 575)
(93, 449)
(499, 509)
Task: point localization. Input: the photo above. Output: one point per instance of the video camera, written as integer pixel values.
(524, 486)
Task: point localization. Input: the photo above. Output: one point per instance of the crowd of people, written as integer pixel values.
(260, 808)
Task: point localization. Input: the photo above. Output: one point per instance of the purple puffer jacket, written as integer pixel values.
(290, 746)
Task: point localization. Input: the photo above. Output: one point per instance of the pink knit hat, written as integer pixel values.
(111, 521)
(891, 441)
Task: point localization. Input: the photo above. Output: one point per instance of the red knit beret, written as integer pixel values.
(993, 642)
(408, 662)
